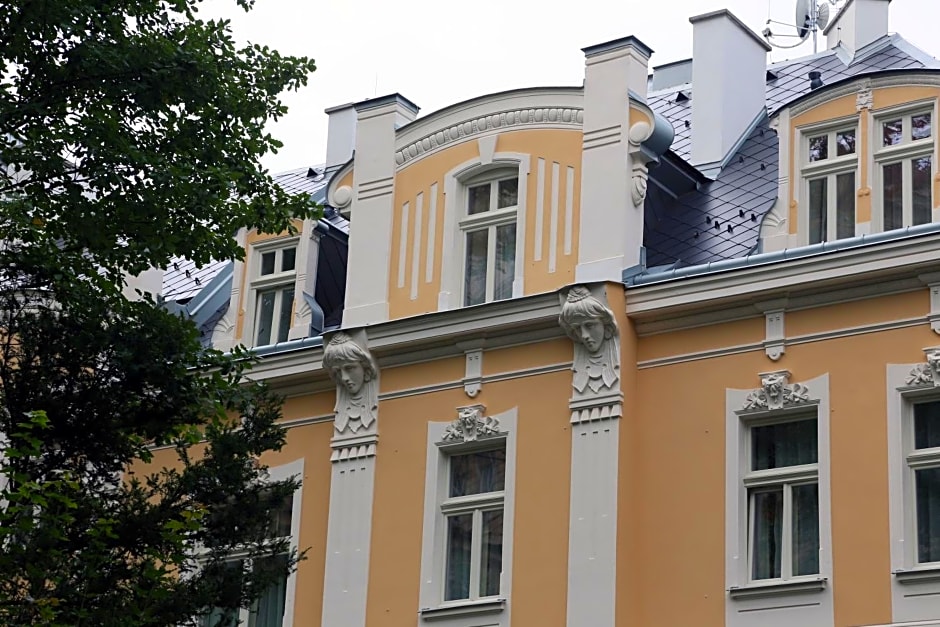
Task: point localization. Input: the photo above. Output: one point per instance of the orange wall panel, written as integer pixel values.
(698, 339)
(858, 313)
(527, 356)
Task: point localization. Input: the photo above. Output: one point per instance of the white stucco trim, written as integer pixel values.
(452, 255)
(799, 600)
(915, 591)
(281, 473)
(491, 612)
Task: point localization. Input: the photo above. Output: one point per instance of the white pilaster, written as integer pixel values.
(370, 239)
(611, 229)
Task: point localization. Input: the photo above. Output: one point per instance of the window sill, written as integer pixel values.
(923, 574)
(777, 588)
(463, 608)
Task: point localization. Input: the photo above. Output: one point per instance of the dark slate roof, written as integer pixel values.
(721, 219)
(694, 228)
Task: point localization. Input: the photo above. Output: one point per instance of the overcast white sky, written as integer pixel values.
(438, 52)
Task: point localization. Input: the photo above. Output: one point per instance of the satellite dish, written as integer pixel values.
(822, 17)
(804, 18)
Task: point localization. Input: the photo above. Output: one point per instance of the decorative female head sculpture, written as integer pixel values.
(354, 372)
(591, 324)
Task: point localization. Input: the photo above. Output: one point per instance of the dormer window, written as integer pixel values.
(829, 174)
(489, 234)
(273, 289)
(904, 167)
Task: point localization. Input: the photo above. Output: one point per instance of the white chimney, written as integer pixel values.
(729, 78)
(857, 24)
(341, 134)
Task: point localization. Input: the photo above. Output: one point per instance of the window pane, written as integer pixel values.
(475, 473)
(267, 263)
(220, 618)
(491, 565)
(475, 277)
(818, 148)
(845, 143)
(892, 195)
(927, 425)
(268, 610)
(928, 514)
(805, 529)
(479, 199)
(287, 308)
(508, 193)
(784, 444)
(459, 533)
(818, 207)
(280, 518)
(920, 126)
(505, 261)
(891, 132)
(288, 258)
(920, 183)
(768, 531)
(265, 317)
(845, 205)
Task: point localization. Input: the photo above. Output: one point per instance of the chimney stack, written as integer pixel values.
(341, 134)
(857, 24)
(729, 70)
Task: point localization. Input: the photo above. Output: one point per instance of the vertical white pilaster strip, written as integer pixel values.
(553, 227)
(539, 208)
(592, 534)
(348, 538)
(403, 245)
(569, 209)
(432, 235)
(416, 245)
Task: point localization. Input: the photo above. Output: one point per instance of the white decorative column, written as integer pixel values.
(370, 235)
(596, 407)
(611, 226)
(355, 434)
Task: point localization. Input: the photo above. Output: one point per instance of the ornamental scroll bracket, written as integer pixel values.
(471, 425)
(640, 160)
(776, 392)
(926, 374)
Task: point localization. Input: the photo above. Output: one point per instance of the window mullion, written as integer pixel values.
(907, 189)
(476, 551)
(786, 536)
(831, 208)
(750, 547)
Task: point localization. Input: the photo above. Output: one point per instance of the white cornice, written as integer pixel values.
(548, 107)
(808, 282)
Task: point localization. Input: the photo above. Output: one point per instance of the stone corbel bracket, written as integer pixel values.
(473, 374)
(607, 407)
(775, 328)
(926, 374)
(647, 141)
(353, 448)
(932, 281)
(776, 392)
(355, 420)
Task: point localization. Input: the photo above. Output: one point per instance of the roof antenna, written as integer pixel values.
(811, 17)
(375, 88)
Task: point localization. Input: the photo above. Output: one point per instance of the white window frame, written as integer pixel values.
(488, 220)
(903, 153)
(752, 603)
(829, 168)
(282, 473)
(914, 585)
(279, 280)
(464, 612)
(456, 184)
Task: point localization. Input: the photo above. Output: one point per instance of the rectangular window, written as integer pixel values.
(489, 239)
(473, 511)
(783, 500)
(904, 168)
(829, 174)
(273, 291)
(924, 464)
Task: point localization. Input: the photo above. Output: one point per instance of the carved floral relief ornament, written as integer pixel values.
(354, 372)
(470, 425)
(927, 373)
(776, 392)
(591, 325)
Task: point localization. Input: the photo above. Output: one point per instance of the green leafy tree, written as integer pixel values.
(131, 133)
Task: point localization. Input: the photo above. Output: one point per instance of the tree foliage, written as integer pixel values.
(130, 133)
